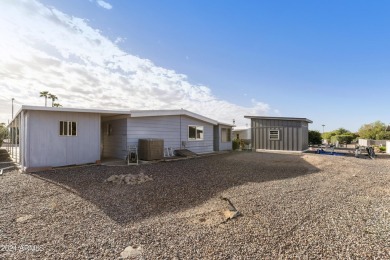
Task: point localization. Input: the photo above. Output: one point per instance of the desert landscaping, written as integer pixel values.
(307, 206)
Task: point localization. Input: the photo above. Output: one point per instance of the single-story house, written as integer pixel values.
(279, 133)
(50, 137)
(242, 133)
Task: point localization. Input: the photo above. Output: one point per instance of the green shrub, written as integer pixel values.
(315, 137)
(236, 144)
(382, 148)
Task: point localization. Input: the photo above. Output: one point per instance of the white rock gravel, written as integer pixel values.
(132, 252)
(24, 218)
(309, 206)
(131, 179)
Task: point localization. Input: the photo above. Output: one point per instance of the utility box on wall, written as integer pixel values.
(150, 149)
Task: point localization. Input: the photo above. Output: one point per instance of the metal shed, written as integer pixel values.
(279, 133)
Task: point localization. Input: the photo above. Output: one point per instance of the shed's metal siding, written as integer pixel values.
(47, 148)
(173, 129)
(115, 144)
(305, 136)
(293, 134)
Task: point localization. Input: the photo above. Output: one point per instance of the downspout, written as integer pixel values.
(180, 132)
(12, 139)
(27, 143)
(100, 137)
(22, 148)
(19, 138)
(11, 134)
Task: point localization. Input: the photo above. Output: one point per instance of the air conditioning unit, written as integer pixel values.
(150, 149)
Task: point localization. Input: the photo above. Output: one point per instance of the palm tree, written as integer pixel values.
(57, 105)
(44, 94)
(53, 98)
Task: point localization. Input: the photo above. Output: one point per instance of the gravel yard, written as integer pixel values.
(292, 206)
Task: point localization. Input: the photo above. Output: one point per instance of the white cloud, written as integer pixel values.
(104, 4)
(119, 40)
(45, 49)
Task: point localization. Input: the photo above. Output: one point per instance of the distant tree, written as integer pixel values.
(315, 137)
(57, 105)
(346, 138)
(341, 134)
(327, 136)
(3, 133)
(44, 94)
(341, 131)
(383, 136)
(53, 98)
(375, 131)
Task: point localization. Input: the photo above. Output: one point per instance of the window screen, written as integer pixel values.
(195, 132)
(68, 128)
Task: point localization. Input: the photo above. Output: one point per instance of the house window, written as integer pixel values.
(274, 135)
(195, 132)
(226, 134)
(68, 128)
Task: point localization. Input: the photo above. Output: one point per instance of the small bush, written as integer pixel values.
(236, 144)
(315, 137)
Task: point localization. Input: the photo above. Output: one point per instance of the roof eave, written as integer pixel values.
(182, 112)
(280, 118)
(80, 110)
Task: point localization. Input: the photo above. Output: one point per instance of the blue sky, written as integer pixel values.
(324, 60)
